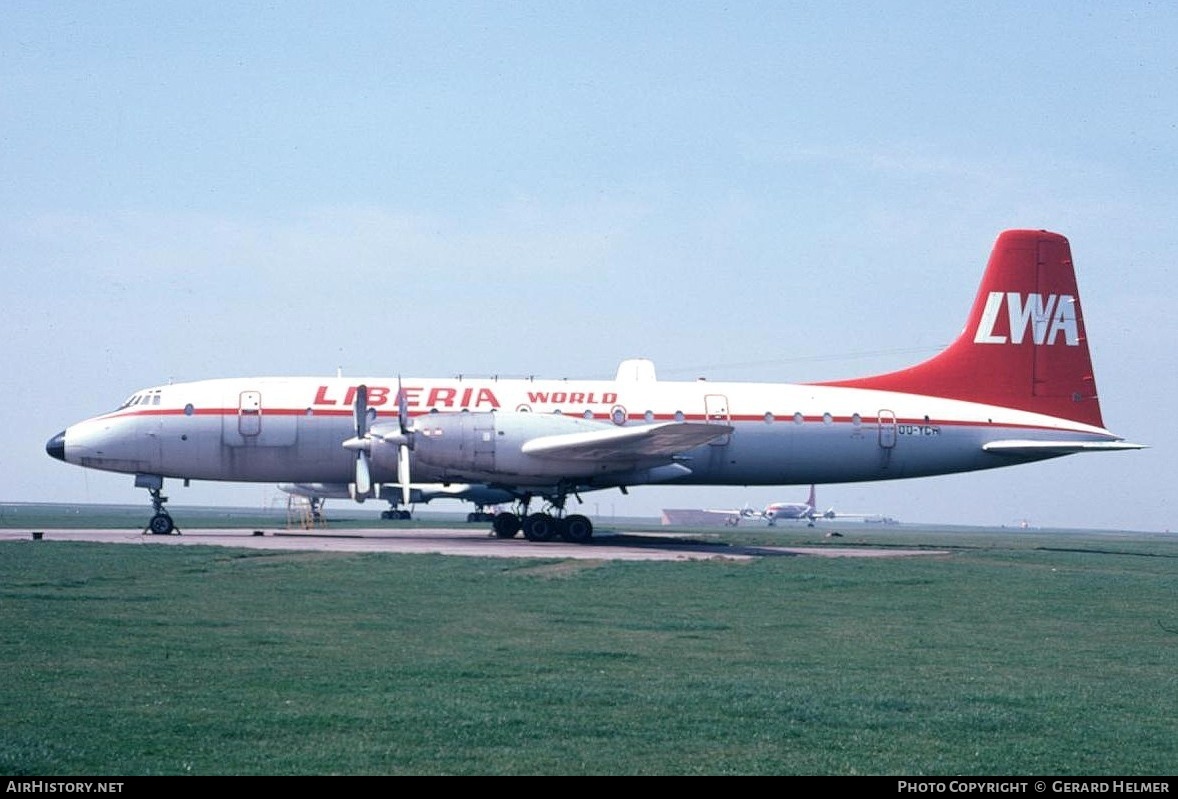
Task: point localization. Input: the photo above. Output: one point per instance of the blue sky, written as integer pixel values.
(750, 191)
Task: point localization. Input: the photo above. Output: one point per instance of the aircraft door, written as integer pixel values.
(716, 412)
(887, 429)
(248, 429)
(249, 414)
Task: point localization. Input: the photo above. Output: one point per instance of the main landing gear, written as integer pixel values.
(575, 529)
(161, 523)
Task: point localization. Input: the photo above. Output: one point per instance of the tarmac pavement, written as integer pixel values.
(462, 541)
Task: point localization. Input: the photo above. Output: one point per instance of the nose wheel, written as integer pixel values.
(161, 523)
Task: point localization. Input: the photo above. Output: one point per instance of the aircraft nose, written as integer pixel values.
(56, 446)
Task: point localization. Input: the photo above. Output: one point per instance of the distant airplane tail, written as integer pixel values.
(812, 501)
(1024, 345)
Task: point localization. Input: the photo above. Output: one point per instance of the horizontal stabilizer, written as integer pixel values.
(655, 440)
(1016, 447)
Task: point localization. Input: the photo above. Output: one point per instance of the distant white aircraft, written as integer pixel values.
(808, 510)
(482, 496)
(776, 512)
(1015, 387)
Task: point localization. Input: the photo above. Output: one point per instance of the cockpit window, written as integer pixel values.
(142, 398)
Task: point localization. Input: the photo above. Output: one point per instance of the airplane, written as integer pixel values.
(482, 496)
(771, 513)
(1016, 386)
(807, 510)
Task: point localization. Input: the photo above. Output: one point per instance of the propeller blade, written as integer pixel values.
(406, 442)
(402, 407)
(403, 471)
(360, 411)
(363, 476)
(361, 443)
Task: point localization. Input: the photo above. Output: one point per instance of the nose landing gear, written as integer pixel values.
(161, 522)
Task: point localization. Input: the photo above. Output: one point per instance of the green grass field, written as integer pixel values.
(1019, 653)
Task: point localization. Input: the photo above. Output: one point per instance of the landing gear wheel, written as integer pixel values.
(540, 527)
(161, 523)
(576, 529)
(505, 525)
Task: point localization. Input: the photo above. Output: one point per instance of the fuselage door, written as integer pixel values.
(887, 429)
(249, 413)
(716, 412)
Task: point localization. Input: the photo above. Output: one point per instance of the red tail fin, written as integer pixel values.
(1024, 346)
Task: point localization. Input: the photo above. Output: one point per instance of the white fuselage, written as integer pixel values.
(287, 429)
(782, 510)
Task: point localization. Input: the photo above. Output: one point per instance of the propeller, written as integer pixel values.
(361, 443)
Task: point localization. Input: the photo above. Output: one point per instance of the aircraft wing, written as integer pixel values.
(663, 440)
(1016, 447)
(745, 513)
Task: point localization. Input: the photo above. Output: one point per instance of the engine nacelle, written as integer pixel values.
(485, 446)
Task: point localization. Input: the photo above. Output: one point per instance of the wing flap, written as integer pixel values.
(663, 440)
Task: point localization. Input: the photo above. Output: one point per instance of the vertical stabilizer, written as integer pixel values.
(1024, 345)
